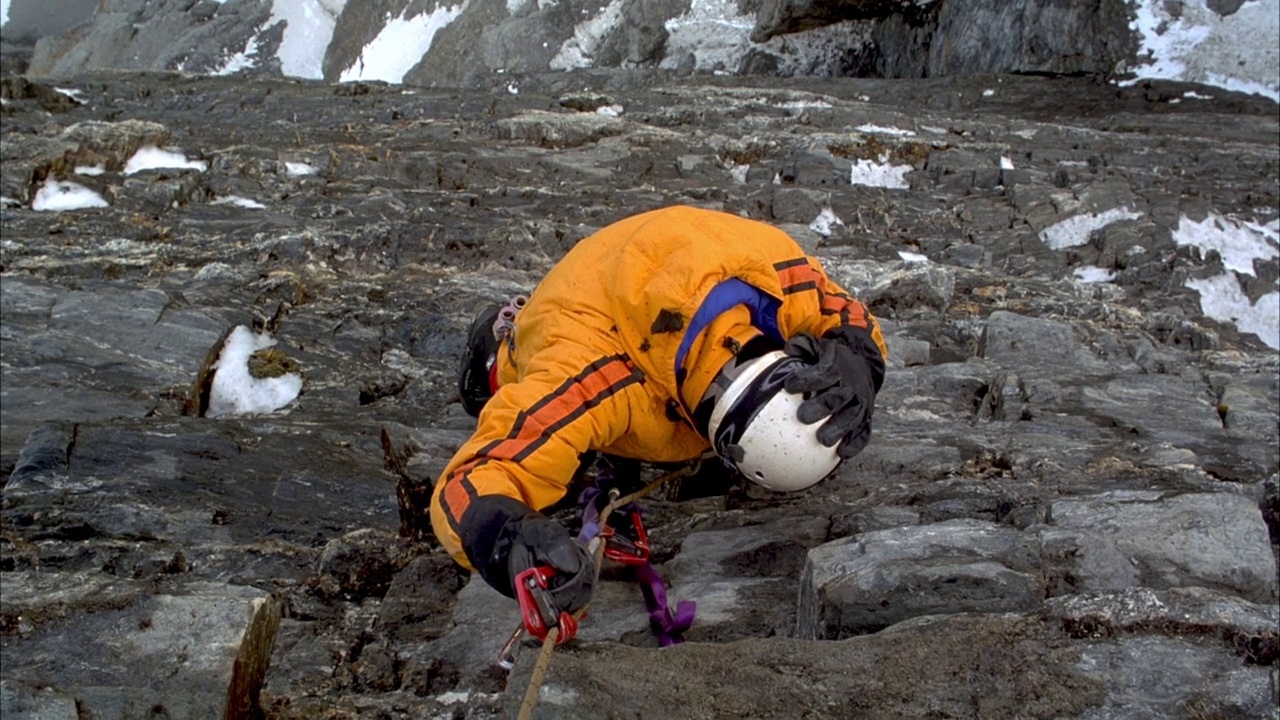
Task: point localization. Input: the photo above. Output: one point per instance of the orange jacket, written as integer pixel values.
(611, 353)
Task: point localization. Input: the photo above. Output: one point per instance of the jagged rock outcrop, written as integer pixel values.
(1069, 506)
(437, 43)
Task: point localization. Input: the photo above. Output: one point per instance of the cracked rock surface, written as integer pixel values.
(1069, 507)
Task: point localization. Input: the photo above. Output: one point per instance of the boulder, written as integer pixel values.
(743, 579)
(1018, 342)
(202, 652)
(868, 582)
(1114, 541)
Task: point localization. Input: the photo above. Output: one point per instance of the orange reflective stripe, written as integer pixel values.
(533, 427)
(851, 312)
(456, 497)
(832, 304)
(796, 276)
(571, 400)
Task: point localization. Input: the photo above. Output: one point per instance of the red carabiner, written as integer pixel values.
(622, 549)
(537, 608)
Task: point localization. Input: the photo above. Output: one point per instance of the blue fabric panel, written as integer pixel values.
(722, 298)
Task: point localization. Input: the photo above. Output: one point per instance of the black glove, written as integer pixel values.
(843, 372)
(539, 541)
(503, 537)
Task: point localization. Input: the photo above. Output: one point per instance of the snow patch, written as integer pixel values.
(577, 51)
(150, 157)
(1238, 243)
(1093, 274)
(308, 30)
(880, 174)
(882, 130)
(234, 391)
(1075, 231)
(401, 45)
(1222, 299)
(804, 104)
(825, 220)
(1238, 52)
(559, 695)
(911, 257)
(239, 202)
(242, 60)
(55, 196)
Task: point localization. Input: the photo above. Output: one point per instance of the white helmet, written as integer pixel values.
(754, 426)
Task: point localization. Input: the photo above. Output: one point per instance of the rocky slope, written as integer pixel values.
(441, 43)
(1069, 507)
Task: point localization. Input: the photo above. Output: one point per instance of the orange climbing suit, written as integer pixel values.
(594, 365)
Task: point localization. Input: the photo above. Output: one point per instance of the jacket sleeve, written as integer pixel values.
(525, 451)
(814, 303)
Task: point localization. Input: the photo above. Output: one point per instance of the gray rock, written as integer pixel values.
(1187, 418)
(362, 563)
(1251, 628)
(202, 653)
(1160, 677)
(874, 518)
(988, 36)
(24, 702)
(899, 457)
(779, 17)
(911, 290)
(1119, 540)
(1017, 342)
(906, 352)
(1248, 404)
(743, 579)
(871, 581)
(483, 620)
(858, 676)
(559, 130)
(127, 34)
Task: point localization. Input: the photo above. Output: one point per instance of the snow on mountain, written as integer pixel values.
(1189, 42)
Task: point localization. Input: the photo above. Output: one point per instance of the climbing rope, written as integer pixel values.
(596, 546)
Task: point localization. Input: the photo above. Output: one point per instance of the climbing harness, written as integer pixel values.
(541, 619)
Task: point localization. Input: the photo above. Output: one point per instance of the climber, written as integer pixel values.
(655, 338)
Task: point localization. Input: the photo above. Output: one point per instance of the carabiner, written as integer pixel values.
(624, 550)
(538, 609)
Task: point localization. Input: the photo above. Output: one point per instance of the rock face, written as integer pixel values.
(439, 43)
(1068, 508)
(964, 38)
